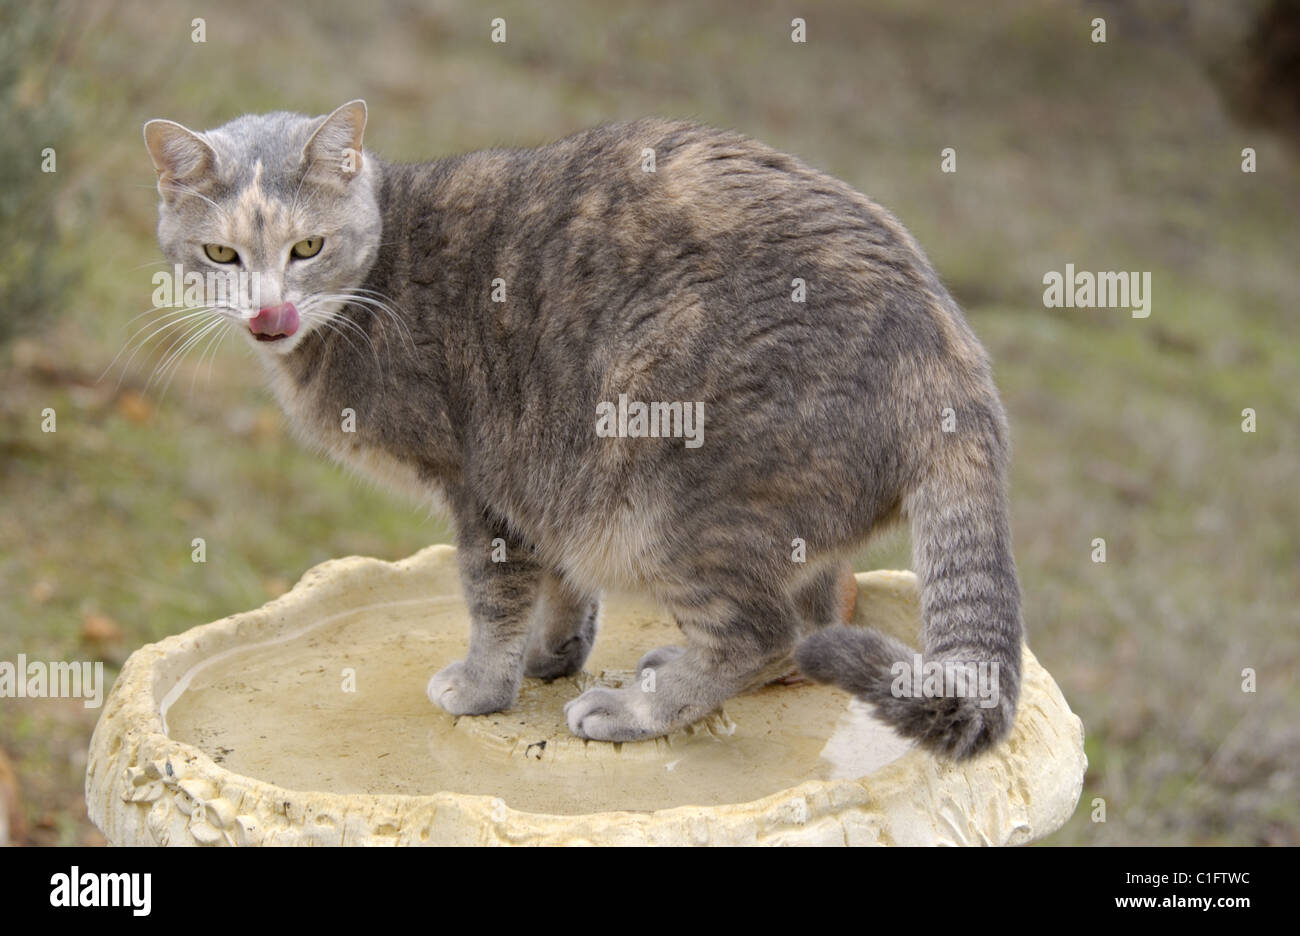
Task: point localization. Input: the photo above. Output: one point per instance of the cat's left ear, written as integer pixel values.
(335, 147)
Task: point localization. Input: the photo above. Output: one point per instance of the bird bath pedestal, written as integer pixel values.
(305, 722)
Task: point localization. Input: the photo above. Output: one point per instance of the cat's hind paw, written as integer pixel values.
(542, 662)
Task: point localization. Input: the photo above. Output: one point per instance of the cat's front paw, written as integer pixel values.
(459, 689)
(613, 715)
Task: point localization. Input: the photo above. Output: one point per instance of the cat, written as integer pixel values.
(483, 316)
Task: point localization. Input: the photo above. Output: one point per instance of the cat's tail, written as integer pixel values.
(963, 699)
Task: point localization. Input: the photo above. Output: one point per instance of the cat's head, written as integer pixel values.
(287, 199)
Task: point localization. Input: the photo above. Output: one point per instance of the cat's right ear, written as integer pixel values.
(180, 156)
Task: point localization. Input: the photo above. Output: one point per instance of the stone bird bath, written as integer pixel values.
(305, 722)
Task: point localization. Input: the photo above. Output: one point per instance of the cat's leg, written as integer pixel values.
(563, 630)
(658, 657)
(824, 599)
(743, 643)
(828, 596)
(501, 595)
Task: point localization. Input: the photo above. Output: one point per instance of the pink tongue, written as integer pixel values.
(277, 320)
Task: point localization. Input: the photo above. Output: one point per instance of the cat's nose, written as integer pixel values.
(274, 322)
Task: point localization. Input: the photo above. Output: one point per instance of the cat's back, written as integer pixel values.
(669, 201)
(654, 172)
(623, 182)
(654, 230)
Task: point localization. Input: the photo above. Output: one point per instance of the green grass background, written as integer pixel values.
(1115, 156)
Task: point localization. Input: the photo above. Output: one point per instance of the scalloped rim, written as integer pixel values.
(143, 787)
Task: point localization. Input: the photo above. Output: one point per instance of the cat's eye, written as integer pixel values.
(308, 248)
(220, 254)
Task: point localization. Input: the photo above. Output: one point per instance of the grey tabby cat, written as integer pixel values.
(480, 313)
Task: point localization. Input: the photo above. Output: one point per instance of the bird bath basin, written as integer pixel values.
(305, 722)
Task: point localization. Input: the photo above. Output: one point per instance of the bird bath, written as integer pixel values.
(305, 722)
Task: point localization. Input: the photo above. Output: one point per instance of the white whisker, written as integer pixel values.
(179, 355)
(186, 315)
(212, 345)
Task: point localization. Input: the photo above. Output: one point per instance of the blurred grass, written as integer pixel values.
(1112, 157)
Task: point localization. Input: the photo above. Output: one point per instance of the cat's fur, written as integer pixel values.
(823, 419)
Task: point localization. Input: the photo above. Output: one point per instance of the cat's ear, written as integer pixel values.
(180, 156)
(335, 147)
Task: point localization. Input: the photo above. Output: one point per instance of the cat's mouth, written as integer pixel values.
(274, 323)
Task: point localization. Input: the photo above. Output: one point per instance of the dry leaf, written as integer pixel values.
(100, 628)
(135, 407)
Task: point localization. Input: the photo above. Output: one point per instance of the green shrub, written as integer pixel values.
(33, 278)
